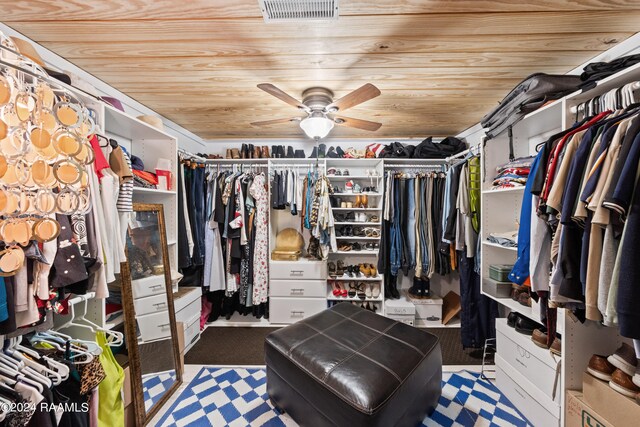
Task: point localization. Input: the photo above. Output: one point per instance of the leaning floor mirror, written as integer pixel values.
(150, 324)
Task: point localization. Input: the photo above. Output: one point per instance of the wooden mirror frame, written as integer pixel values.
(142, 417)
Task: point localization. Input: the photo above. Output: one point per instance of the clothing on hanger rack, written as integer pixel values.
(578, 213)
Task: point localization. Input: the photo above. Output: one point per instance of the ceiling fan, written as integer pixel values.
(320, 107)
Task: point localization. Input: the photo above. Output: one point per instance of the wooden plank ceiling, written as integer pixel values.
(440, 64)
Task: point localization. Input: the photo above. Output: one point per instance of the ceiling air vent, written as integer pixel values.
(298, 10)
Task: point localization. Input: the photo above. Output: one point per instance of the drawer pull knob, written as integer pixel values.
(297, 291)
(160, 304)
(156, 286)
(297, 313)
(163, 325)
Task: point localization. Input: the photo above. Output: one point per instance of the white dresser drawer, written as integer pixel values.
(298, 288)
(191, 330)
(193, 309)
(539, 411)
(152, 304)
(147, 286)
(535, 363)
(302, 269)
(290, 310)
(154, 326)
(185, 296)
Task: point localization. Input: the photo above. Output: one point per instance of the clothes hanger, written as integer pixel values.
(114, 338)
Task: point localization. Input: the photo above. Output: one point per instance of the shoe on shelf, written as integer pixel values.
(314, 153)
(600, 368)
(357, 188)
(339, 152)
(265, 152)
(374, 270)
(361, 290)
(511, 319)
(322, 151)
(357, 202)
(624, 359)
(367, 291)
(349, 205)
(235, 153)
(331, 153)
(228, 154)
(526, 326)
(353, 289)
(539, 338)
(622, 383)
(345, 172)
(299, 154)
(364, 269)
(331, 171)
(332, 268)
(340, 268)
(257, 154)
(375, 290)
(348, 187)
(364, 201)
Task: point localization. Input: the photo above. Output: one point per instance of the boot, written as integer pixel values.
(228, 155)
(281, 152)
(265, 152)
(387, 286)
(426, 288)
(299, 154)
(339, 152)
(256, 152)
(274, 151)
(416, 290)
(250, 150)
(322, 151)
(290, 153)
(332, 153)
(394, 288)
(243, 151)
(314, 153)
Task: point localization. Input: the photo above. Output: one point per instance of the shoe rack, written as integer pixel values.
(357, 209)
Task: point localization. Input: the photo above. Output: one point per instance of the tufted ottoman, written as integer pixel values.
(350, 367)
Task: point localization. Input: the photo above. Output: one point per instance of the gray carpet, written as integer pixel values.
(245, 346)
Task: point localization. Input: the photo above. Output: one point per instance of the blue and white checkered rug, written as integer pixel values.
(154, 386)
(238, 397)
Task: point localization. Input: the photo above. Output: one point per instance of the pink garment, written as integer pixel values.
(207, 307)
(93, 408)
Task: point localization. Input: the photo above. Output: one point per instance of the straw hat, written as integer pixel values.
(154, 121)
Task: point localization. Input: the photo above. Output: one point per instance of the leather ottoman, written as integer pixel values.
(350, 367)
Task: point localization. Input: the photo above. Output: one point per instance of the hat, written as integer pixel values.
(154, 121)
(289, 240)
(115, 103)
(27, 50)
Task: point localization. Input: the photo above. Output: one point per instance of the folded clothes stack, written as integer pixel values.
(508, 239)
(513, 174)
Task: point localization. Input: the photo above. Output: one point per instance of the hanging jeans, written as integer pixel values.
(410, 230)
(478, 311)
(198, 197)
(395, 254)
(424, 244)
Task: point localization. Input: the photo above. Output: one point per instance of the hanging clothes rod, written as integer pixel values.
(191, 155)
(634, 86)
(414, 166)
(461, 154)
(80, 298)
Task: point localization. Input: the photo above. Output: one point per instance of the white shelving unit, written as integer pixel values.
(579, 340)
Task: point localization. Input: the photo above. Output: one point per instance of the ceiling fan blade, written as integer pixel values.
(357, 123)
(276, 121)
(358, 96)
(281, 95)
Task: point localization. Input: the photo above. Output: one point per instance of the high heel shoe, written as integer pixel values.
(360, 289)
(340, 268)
(332, 268)
(357, 202)
(364, 201)
(353, 289)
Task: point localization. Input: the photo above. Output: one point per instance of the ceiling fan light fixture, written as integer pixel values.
(316, 126)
